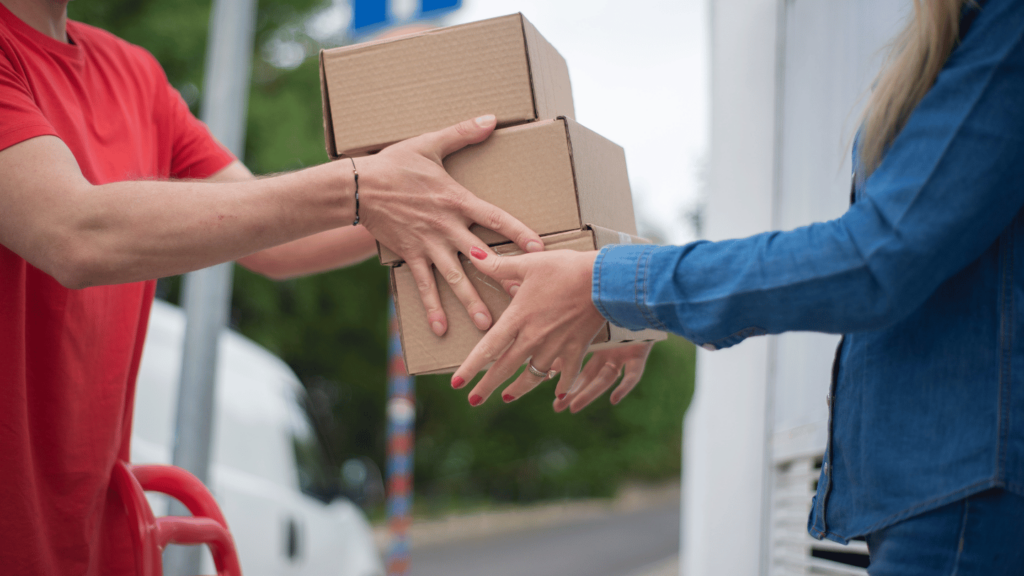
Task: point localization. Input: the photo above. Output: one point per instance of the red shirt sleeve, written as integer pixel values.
(20, 117)
(195, 152)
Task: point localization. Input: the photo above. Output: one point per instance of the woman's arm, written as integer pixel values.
(949, 185)
(947, 188)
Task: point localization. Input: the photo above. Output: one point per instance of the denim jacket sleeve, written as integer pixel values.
(950, 183)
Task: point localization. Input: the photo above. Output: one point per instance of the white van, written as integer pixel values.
(262, 440)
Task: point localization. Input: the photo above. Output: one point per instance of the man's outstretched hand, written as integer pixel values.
(412, 206)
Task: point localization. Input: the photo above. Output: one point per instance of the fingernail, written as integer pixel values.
(534, 246)
(485, 121)
(477, 253)
(507, 398)
(615, 401)
(561, 396)
(458, 382)
(513, 290)
(481, 321)
(437, 327)
(475, 400)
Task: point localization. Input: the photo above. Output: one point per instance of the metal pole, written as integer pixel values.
(401, 435)
(207, 293)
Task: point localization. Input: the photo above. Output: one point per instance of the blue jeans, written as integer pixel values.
(979, 535)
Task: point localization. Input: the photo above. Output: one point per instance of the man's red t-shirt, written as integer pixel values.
(68, 358)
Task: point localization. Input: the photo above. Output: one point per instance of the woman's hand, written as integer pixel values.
(412, 206)
(551, 318)
(601, 373)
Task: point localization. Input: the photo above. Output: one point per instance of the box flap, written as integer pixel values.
(605, 236)
(549, 74)
(622, 335)
(386, 91)
(326, 100)
(602, 181)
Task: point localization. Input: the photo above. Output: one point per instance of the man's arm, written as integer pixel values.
(85, 235)
(320, 252)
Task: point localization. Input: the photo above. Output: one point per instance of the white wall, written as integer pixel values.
(724, 448)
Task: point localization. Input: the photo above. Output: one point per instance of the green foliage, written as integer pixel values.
(332, 328)
(525, 451)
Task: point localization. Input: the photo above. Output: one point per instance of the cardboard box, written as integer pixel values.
(384, 91)
(552, 175)
(426, 353)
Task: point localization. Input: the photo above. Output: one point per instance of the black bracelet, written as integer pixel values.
(356, 174)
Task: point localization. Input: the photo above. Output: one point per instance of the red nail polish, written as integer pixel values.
(561, 396)
(475, 400)
(507, 397)
(477, 253)
(457, 382)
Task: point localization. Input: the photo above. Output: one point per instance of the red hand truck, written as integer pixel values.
(151, 535)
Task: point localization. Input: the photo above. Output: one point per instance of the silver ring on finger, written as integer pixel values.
(540, 373)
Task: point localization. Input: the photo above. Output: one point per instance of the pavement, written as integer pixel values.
(635, 534)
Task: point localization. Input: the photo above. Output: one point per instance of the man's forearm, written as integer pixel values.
(142, 230)
(320, 252)
(327, 250)
(86, 235)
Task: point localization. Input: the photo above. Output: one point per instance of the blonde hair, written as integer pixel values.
(916, 57)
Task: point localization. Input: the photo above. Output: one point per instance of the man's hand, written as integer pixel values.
(412, 206)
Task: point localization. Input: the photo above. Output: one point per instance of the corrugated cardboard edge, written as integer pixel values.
(549, 74)
(616, 334)
(389, 258)
(328, 122)
(370, 44)
(599, 183)
(398, 316)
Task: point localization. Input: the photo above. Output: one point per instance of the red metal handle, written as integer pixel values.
(151, 535)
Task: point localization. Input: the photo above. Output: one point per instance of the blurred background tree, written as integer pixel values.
(332, 328)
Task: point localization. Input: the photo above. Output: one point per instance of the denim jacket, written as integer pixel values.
(924, 275)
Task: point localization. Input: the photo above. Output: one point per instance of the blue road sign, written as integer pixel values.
(369, 14)
(433, 8)
(372, 15)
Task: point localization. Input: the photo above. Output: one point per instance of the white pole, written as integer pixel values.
(206, 293)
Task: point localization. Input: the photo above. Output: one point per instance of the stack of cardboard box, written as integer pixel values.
(562, 180)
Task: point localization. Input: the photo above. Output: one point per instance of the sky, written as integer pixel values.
(640, 77)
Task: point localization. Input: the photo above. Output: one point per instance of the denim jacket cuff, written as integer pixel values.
(619, 285)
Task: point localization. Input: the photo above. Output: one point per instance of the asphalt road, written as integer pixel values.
(614, 545)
